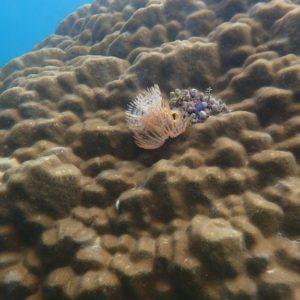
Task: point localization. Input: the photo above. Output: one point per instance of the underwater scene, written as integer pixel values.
(150, 150)
(25, 23)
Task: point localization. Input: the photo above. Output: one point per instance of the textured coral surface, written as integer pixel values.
(213, 214)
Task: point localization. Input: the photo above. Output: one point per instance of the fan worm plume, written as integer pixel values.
(152, 121)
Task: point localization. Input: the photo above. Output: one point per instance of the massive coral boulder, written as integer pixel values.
(213, 214)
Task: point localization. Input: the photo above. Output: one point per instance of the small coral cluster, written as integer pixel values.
(196, 104)
(153, 120)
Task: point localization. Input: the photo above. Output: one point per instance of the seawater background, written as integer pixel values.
(24, 23)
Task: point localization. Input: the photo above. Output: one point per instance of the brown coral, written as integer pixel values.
(213, 215)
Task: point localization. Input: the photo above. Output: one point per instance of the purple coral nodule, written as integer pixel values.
(199, 106)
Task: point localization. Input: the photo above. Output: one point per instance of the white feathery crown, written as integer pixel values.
(152, 121)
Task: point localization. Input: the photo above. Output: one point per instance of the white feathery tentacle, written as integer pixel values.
(151, 120)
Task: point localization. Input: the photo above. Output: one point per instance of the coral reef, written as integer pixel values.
(213, 214)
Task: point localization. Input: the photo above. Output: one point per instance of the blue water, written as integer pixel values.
(23, 23)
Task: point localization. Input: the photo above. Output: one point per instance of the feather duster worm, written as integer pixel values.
(152, 121)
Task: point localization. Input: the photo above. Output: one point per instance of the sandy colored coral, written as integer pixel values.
(213, 214)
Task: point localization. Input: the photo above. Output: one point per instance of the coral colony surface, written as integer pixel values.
(211, 214)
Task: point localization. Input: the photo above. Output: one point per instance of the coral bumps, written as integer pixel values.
(212, 214)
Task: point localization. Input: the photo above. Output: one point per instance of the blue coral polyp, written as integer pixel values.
(199, 106)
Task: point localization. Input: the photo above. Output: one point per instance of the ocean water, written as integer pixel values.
(25, 23)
